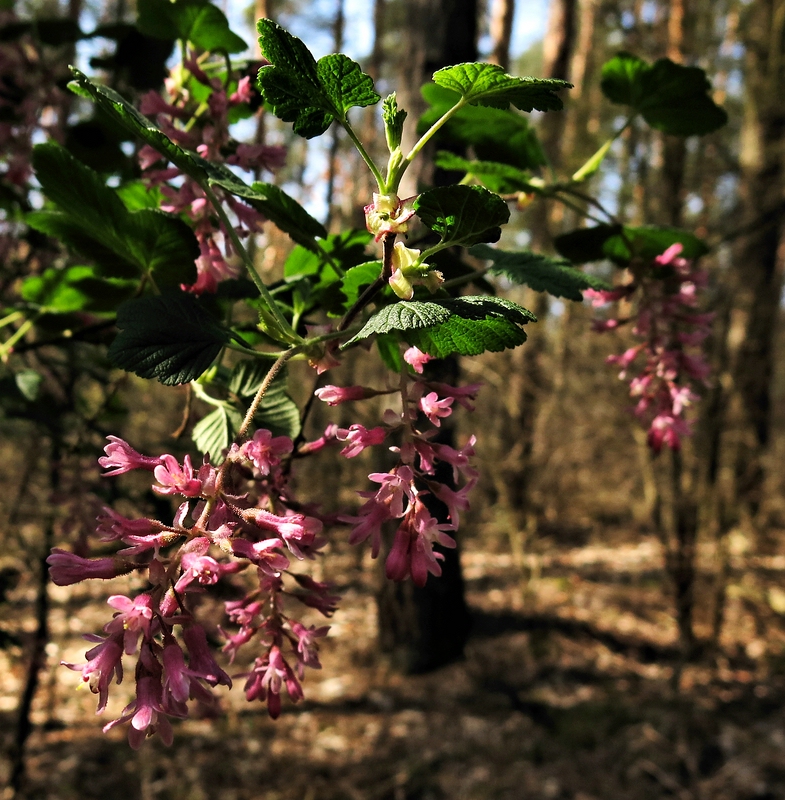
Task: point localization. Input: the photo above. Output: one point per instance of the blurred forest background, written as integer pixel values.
(625, 627)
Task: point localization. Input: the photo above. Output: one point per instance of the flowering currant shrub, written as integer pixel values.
(170, 264)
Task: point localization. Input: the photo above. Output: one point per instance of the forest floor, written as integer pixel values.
(572, 689)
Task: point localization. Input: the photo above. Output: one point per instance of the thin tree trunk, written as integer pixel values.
(423, 629)
(502, 16)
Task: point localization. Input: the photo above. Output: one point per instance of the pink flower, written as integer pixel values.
(335, 395)
(435, 409)
(412, 550)
(456, 501)
(175, 479)
(201, 662)
(265, 451)
(66, 568)
(264, 554)
(146, 714)
(268, 677)
(134, 618)
(306, 643)
(416, 359)
(104, 661)
(358, 437)
(121, 457)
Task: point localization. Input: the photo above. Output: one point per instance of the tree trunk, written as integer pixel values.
(423, 629)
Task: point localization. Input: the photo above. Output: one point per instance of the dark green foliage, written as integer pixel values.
(671, 98)
(308, 93)
(556, 276)
(168, 337)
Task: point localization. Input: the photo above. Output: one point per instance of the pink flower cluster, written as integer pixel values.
(669, 357)
(402, 490)
(235, 518)
(204, 127)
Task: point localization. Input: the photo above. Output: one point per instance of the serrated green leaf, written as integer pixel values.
(307, 93)
(169, 337)
(463, 215)
(490, 85)
(464, 325)
(124, 113)
(614, 243)
(152, 241)
(278, 412)
(556, 276)
(281, 209)
(247, 377)
(75, 237)
(214, 433)
(671, 97)
(500, 135)
(195, 21)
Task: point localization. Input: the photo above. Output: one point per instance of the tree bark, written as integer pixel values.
(422, 629)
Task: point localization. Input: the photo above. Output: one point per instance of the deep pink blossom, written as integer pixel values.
(67, 568)
(121, 457)
(104, 662)
(265, 450)
(358, 437)
(174, 479)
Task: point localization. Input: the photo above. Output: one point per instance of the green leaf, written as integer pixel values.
(214, 433)
(556, 276)
(393, 119)
(28, 381)
(124, 113)
(357, 278)
(169, 337)
(347, 248)
(137, 195)
(671, 98)
(308, 93)
(75, 289)
(501, 135)
(464, 325)
(195, 21)
(154, 242)
(281, 209)
(389, 349)
(489, 85)
(277, 412)
(75, 237)
(614, 243)
(463, 215)
(497, 177)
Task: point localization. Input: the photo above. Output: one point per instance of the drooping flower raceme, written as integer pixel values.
(213, 536)
(668, 357)
(401, 491)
